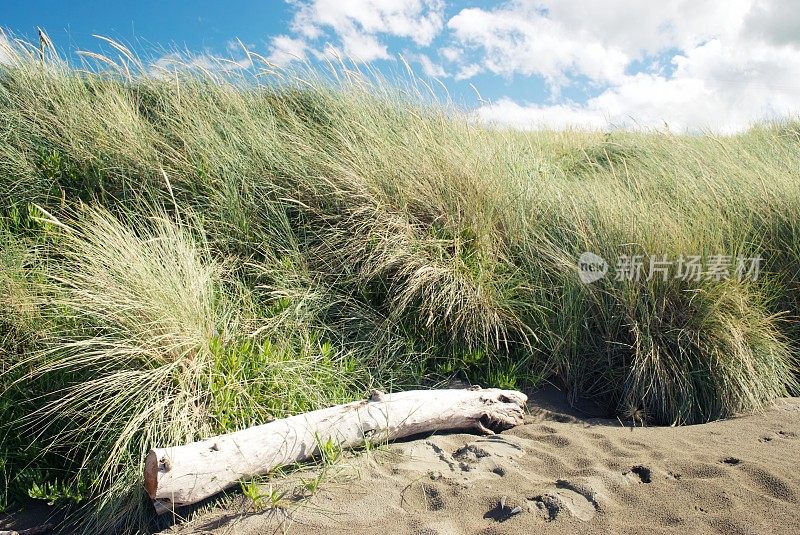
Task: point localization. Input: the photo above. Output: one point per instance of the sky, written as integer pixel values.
(682, 65)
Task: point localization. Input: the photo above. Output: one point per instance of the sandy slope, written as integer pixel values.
(565, 473)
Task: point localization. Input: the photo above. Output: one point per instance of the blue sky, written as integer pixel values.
(154, 28)
(713, 64)
(197, 25)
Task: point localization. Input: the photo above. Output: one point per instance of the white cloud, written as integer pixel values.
(434, 70)
(419, 20)
(774, 22)
(355, 27)
(6, 50)
(507, 113)
(206, 62)
(363, 47)
(285, 49)
(520, 39)
(235, 46)
(450, 53)
(714, 87)
(718, 65)
(638, 28)
(468, 71)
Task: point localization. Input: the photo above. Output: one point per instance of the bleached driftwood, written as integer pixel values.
(183, 475)
(38, 530)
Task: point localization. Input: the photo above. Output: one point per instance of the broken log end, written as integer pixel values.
(151, 474)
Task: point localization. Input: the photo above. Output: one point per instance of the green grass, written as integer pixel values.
(192, 253)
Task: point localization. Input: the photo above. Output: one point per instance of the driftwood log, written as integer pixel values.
(183, 475)
(38, 530)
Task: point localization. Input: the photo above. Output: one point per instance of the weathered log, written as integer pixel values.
(37, 530)
(183, 475)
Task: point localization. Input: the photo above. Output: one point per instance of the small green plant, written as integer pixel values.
(273, 498)
(252, 491)
(58, 491)
(329, 451)
(369, 444)
(276, 498)
(506, 379)
(312, 485)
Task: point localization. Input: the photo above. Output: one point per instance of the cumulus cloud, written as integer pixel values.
(206, 62)
(774, 22)
(507, 113)
(285, 49)
(641, 28)
(719, 65)
(521, 39)
(594, 39)
(6, 51)
(429, 67)
(681, 103)
(363, 47)
(715, 64)
(356, 27)
(419, 20)
(468, 71)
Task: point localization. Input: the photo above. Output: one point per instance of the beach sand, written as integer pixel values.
(561, 472)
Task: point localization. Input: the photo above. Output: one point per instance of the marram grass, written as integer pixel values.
(189, 252)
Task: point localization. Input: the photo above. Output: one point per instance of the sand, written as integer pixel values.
(561, 472)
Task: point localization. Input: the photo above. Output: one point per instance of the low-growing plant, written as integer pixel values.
(313, 484)
(273, 498)
(329, 451)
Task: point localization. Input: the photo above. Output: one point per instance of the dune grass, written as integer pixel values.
(188, 252)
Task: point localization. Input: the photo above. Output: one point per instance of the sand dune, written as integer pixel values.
(559, 473)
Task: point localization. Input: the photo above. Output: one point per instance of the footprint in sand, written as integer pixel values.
(729, 526)
(639, 474)
(469, 455)
(770, 484)
(502, 446)
(577, 500)
(485, 452)
(553, 440)
(766, 482)
(484, 457)
(779, 434)
(503, 511)
(546, 506)
(439, 527)
(426, 497)
(695, 470)
(433, 498)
